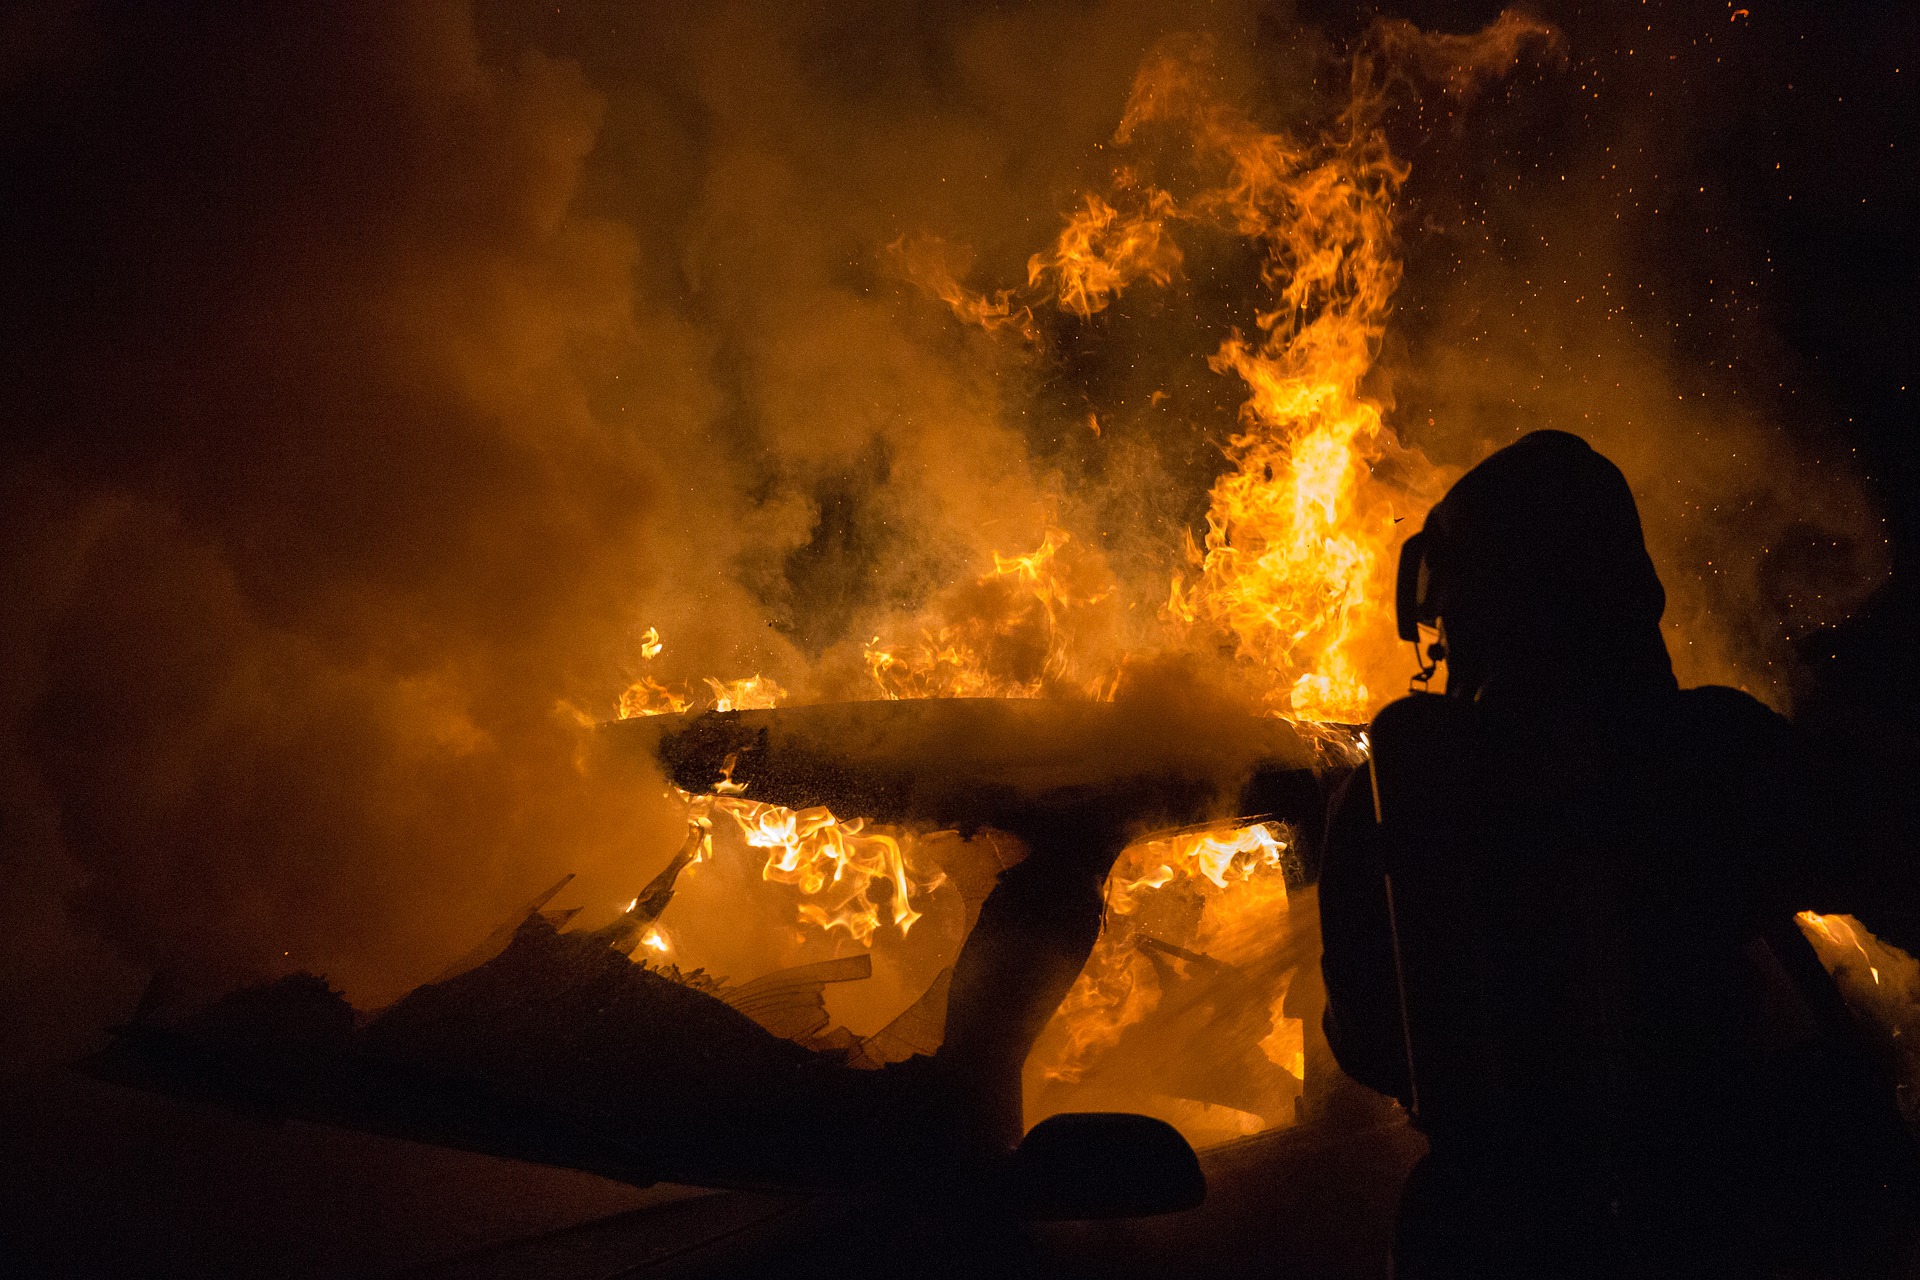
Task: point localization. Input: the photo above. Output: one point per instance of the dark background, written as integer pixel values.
(1777, 146)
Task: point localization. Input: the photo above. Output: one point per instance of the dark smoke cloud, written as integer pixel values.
(311, 530)
(378, 372)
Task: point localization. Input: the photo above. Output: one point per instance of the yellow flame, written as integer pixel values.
(1840, 932)
(1290, 573)
(648, 697)
(1299, 531)
(1102, 250)
(1289, 576)
(1023, 630)
(835, 864)
(750, 694)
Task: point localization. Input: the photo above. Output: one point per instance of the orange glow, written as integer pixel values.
(1283, 593)
(749, 694)
(1103, 250)
(835, 865)
(924, 260)
(1028, 628)
(1881, 985)
(648, 697)
(1838, 932)
(1210, 885)
(1299, 531)
(1290, 574)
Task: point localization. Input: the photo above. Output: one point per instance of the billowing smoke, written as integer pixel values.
(379, 373)
(317, 519)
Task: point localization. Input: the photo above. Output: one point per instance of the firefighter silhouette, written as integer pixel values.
(1558, 918)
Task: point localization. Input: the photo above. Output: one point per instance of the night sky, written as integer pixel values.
(1759, 161)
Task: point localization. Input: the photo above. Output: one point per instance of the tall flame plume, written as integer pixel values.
(1286, 587)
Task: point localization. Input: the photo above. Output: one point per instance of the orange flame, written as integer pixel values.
(1024, 630)
(1103, 250)
(924, 260)
(1291, 572)
(750, 694)
(1289, 579)
(648, 697)
(835, 864)
(1300, 530)
(1838, 932)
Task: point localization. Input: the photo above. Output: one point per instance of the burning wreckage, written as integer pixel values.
(1195, 998)
(570, 1047)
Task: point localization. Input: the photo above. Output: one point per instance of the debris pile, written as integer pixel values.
(559, 1049)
